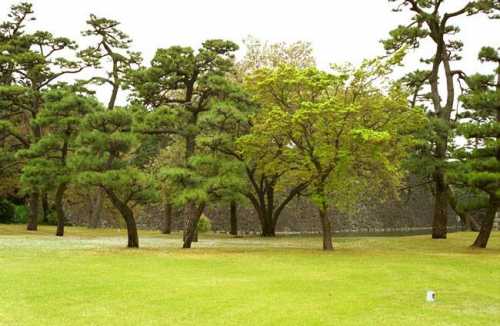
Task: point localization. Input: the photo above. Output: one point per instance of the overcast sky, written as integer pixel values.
(339, 30)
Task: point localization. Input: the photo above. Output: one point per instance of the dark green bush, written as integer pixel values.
(51, 218)
(21, 214)
(7, 211)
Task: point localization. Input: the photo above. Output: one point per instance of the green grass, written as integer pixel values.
(89, 278)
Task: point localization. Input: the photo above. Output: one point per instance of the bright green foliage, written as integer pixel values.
(204, 224)
(338, 133)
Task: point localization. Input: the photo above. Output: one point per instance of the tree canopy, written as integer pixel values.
(201, 128)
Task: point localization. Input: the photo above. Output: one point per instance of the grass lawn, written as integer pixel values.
(89, 278)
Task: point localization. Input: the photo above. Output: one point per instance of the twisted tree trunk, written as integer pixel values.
(443, 113)
(487, 225)
(194, 212)
(262, 198)
(128, 216)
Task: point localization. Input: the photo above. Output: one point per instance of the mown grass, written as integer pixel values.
(89, 278)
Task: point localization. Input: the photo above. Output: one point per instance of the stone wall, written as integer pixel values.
(411, 211)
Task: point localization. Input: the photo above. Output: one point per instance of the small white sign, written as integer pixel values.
(431, 296)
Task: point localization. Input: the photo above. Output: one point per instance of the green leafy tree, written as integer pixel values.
(430, 22)
(336, 133)
(47, 159)
(267, 190)
(479, 159)
(106, 159)
(233, 120)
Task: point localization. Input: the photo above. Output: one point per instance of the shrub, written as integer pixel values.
(204, 224)
(21, 214)
(51, 218)
(7, 211)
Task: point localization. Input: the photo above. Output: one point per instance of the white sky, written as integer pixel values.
(339, 30)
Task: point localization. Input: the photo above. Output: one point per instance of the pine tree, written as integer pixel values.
(108, 147)
(430, 20)
(31, 63)
(479, 158)
(113, 58)
(179, 87)
(47, 159)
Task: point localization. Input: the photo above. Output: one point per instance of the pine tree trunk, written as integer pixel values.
(487, 225)
(440, 215)
(133, 237)
(440, 218)
(326, 229)
(233, 218)
(191, 223)
(128, 216)
(34, 202)
(167, 222)
(60, 209)
(97, 205)
(45, 208)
